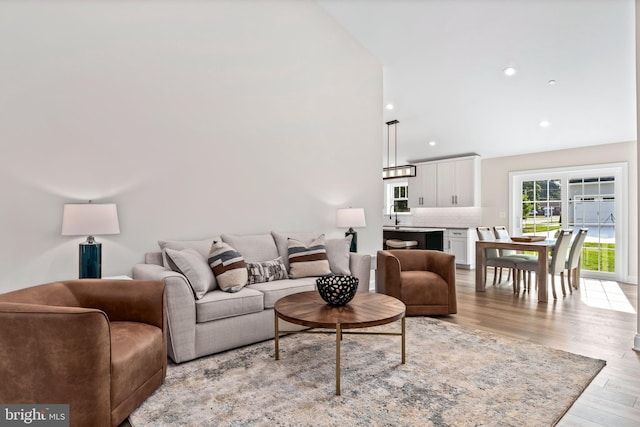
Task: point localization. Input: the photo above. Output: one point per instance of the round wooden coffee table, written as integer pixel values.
(365, 310)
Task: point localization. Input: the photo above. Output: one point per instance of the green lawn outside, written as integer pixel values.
(540, 228)
(589, 257)
(607, 259)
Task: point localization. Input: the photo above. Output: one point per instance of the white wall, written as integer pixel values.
(195, 117)
(495, 182)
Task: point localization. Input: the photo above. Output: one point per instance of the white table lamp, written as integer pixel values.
(89, 219)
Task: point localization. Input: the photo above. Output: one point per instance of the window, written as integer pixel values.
(397, 197)
(541, 207)
(401, 198)
(572, 198)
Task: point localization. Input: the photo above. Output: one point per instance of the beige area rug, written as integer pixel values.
(453, 377)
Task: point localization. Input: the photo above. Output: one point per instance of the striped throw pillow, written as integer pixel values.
(228, 266)
(306, 261)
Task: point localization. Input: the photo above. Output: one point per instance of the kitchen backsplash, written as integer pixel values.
(439, 217)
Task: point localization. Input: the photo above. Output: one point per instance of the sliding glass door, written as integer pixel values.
(544, 202)
(592, 205)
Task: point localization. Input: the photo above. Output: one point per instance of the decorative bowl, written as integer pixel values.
(337, 290)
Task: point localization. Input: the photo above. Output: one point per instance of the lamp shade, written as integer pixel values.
(90, 219)
(350, 217)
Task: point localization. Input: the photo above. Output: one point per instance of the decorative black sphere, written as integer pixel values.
(337, 290)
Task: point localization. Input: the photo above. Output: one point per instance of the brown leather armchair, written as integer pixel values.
(98, 345)
(424, 280)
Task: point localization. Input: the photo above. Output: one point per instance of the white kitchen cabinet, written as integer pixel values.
(446, 183)
(460, 242)
(422, 187)
(458, 182)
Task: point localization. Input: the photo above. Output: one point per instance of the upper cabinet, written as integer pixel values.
(422, 187)
(459, 182)
(446, 183)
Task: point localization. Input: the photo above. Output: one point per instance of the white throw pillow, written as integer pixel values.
(200, 246)
(338, 254)
(195, 268)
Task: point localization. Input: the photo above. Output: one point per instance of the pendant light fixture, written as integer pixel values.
(393, 170)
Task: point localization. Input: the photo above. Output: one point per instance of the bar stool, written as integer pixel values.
(401, 244)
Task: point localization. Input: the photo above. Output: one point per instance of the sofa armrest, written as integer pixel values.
(387, 274)
(360, 267)
(181, 309)
(54, 354)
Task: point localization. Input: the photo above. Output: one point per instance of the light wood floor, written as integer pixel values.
(597, 321)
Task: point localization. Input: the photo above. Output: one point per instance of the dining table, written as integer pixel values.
(542, 248)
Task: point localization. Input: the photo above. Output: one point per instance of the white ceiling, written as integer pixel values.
(443, 62)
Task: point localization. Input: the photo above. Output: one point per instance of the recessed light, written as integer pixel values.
(545, 123)
(389, 106)
(432, 143)
(551, 82)
(509, 71)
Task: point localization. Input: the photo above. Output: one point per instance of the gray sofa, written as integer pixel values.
(203, 323)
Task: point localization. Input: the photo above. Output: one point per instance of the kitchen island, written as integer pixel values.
(427, 238)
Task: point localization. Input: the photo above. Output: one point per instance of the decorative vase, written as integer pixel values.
(337, 290)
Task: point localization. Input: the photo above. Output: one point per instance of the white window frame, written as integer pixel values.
(618, 170)
(388, 196)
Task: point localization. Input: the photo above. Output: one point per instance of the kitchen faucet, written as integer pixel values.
(391, 217)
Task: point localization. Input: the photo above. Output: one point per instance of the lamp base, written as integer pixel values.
(354, 239)
(90, 260)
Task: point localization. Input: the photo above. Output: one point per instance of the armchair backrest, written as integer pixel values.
(55, 294)
(410, 260)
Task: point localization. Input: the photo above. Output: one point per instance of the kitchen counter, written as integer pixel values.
(408, 228)
(427, 238)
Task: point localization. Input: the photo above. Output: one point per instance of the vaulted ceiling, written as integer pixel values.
(444, 61)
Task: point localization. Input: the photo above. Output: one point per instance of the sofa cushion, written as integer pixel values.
(338, 254)
(266, 271)
(253, 247)
(137, 352)
(201, 246)
(218, 305)
(195, 268)
(228, 266)
(273, 291)
(308, 260)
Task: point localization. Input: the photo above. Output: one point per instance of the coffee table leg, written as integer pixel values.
(277, 337)
(403, 340)
(338, 338)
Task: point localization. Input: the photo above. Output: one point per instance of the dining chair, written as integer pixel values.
(501, 233)
(573, 261)
(493, 258)
(557, 261)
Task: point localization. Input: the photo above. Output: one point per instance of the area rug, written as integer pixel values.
(453, 376)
